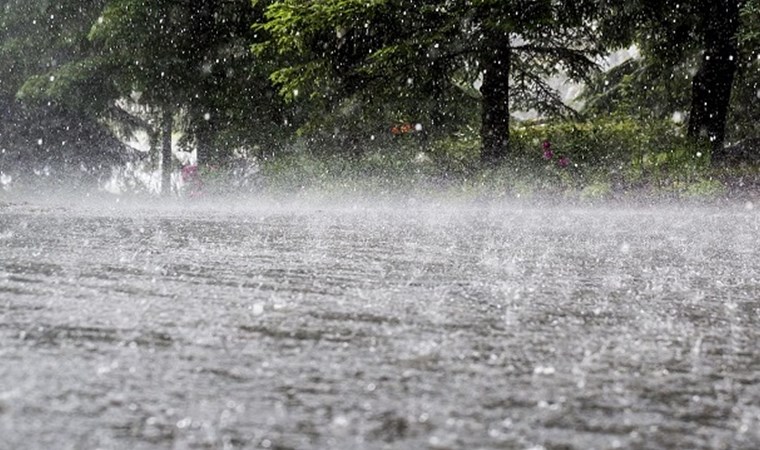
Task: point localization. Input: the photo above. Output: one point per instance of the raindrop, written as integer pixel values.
(541, 370)
(340, 421)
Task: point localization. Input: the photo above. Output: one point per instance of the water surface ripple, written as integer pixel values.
(441, 328)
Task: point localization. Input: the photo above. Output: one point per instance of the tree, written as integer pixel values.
(193, 58)
(711, 88)
(187, 64)
(38, 37)
(151, 49)
(677, 38)
(744, 113)
(332, 50)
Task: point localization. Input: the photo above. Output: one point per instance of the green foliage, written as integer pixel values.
(39, 35)
(375, 172)
(161, 48)
(190, 58)
(607, 159)
(641, 88)
(82, 85)
(702, 189)
(457, 154)
(744, 120)
(45, 132)
(750, 14)
(672, 37)
(624, 148)
(422, 59)
(328, 79)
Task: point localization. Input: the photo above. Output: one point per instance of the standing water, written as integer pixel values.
(440, 327)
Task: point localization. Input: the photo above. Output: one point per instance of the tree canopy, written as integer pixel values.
(433, 53)
(692, 53)
(186, 63)
(250, 76)
(37, 38)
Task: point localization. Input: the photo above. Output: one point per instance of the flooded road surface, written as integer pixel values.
(440, 327)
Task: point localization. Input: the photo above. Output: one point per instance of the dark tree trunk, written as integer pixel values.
(494, 129)
(711, 88)
(166, 152)
(203, 139)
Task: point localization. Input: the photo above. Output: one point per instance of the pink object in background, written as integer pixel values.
(192, 178)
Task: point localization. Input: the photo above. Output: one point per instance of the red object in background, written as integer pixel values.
(192, 178)
(190, 172)
(404, 128)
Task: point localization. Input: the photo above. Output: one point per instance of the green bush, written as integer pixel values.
(623, 152)
(607, 158)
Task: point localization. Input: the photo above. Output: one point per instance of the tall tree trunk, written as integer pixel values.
(438, 94)
(203, 154)
(166, 151)
(711, 88)
(494, 129)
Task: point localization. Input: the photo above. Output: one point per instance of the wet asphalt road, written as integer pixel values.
(307, 326)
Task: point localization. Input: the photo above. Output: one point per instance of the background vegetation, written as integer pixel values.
(385, 94)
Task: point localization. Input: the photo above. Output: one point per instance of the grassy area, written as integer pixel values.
(617, 158)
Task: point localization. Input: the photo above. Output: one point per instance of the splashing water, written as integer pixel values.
(343, 325)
